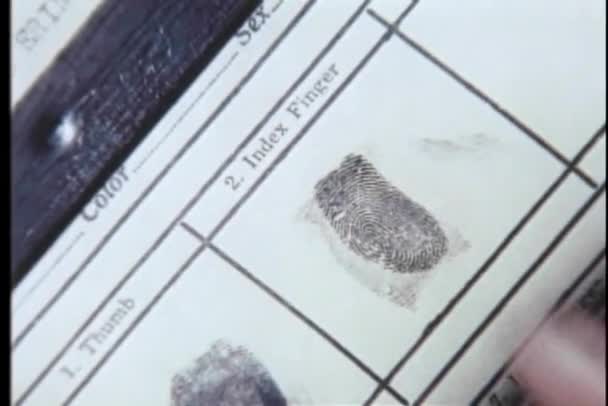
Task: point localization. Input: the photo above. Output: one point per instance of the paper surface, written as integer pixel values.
(474, 114)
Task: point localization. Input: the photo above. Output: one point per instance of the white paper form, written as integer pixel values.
(223, 244)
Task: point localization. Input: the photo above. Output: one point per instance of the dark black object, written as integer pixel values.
(97, 101)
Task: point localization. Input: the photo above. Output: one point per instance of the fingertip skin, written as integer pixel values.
(564, 364)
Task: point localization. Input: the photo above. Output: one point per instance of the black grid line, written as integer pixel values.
(565, 296)
(194, 233)
(485, 98)
(512, 292)
(108, 236)
(252, 189)
(597, 135)
(442, 315)
(276, 6)
(402, 16)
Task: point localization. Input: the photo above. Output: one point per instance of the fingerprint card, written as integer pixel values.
(364, 209)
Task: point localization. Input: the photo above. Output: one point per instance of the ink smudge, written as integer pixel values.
(226, 376)
(384, 239)
(473, 144)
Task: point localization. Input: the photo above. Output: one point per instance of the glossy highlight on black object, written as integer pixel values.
(226, 375)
